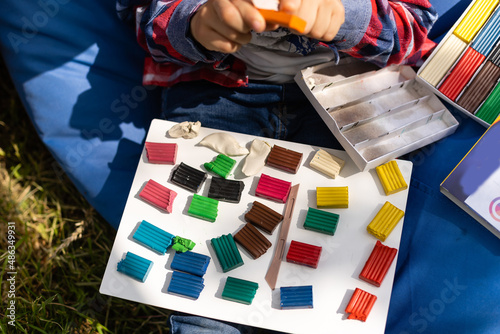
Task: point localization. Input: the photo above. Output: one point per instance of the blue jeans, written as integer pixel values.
(261, 109)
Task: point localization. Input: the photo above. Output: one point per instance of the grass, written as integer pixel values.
(61, 243)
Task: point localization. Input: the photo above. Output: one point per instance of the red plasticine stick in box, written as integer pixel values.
(158, 195)
(378, 264)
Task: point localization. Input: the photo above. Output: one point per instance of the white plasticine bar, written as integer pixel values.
(443, 60)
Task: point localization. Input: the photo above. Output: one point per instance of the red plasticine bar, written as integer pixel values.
(360, 305)
(378, 264)
(273, 188)
(161, 153)
(461, 74)
(158, 195)
(305, 254)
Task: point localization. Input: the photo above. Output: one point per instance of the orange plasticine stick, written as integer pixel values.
(283, 19)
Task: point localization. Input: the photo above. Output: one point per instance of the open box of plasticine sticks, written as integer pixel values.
(464, 69)
(375, 114)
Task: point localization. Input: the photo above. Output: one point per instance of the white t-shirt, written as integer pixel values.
(276, 56)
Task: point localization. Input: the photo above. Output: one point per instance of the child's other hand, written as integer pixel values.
(323, 17)
(226, 25)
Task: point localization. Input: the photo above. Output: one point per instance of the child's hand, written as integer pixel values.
(225, 25)
(323, 17)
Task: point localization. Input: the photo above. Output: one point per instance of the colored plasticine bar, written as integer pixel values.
(480, 87)
(203, 207)
(182, 245)
(135, 266)
(226, 190)
(360, 305)
(188, 177)
(252, 240)
(161, 153)
(488, 35)
(293, 297)
(239, 290)
(384, 221)
(378, 264)
(284, 159)
(227, 253)
(461, 73)
(391, 178)
(332, 197)
(284, 19)
(272, 188)
(153, 237)
(321, 221)
(327, 163)
(263, 217)
(443, 59)
(490, 109)
(158, 195)
(475, 19)
(186, 285)
(222, 165)
(304, 254)
(191, 263)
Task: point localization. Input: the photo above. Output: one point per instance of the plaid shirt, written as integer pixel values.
(391, 32)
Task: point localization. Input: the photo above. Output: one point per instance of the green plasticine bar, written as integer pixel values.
(222, 165)
(321, 221)
(238, 290)
(227, 252)
(203, 207)
(182, 245)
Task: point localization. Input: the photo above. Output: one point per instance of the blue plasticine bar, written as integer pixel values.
(153, 237)
(135, 266)
(191, 263)
(296, 297)
(186, 284)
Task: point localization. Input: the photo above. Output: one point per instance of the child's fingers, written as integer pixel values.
(290, 6)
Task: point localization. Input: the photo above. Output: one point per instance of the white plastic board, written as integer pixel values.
(343, 255)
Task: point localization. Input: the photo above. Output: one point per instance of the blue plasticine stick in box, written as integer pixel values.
(135, 266)
(296, 297)
(186, 284)
(153, 237)
(191, 263)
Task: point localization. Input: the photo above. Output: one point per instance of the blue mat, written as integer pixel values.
(78, 69)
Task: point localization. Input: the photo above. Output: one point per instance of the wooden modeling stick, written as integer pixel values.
(283, 19)
(274, 268)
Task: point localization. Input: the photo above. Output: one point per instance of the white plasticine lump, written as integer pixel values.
(186, 130)
(223, 143)
(256, 159)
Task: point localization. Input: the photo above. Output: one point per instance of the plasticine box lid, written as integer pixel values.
(376, 114)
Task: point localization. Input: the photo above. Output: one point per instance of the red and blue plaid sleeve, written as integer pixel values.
(396, 33)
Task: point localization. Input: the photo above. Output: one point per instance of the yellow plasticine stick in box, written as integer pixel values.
(283, 19)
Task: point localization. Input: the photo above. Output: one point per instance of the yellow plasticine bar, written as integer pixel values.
(283, 19)
(384, 221)
(332, 197)
(474, 19)
(327, 163)
(391, 178)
